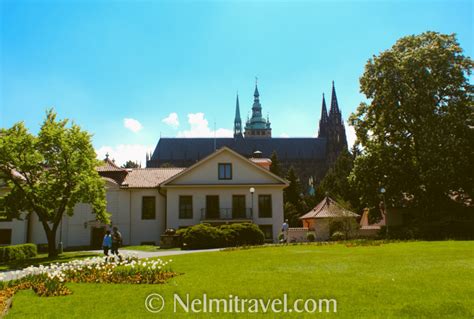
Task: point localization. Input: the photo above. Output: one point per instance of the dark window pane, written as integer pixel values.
(225, 171)
(148, 207)
(265, 206)
(267, 231)
(185, 207)
(5, 236)
(238, 206)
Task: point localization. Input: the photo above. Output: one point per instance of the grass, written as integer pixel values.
(397, 280)
(43, 259)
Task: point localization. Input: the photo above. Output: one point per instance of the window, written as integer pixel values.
(225, 171)
(5, 236)
(265, 206)
(185, 207)
(267, 231)
(148, 207)
(238, 206)
(212, 207)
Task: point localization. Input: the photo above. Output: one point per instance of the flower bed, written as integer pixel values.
(50, 280)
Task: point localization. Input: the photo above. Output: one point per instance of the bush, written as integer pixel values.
(204, 236)
(201, 236)
(431, 230)
(17, 252)
(311, 236)
(338, 236)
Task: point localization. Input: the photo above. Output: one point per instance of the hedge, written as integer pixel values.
(17, 252)
(204, 236)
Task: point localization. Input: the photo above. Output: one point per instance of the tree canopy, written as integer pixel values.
(413, 130)
(50, 173)
(131, 164)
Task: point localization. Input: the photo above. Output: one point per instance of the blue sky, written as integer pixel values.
(120, 68)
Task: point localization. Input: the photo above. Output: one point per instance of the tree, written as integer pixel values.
(336, 181)
(50, 173)
(131, 164)
(414, 128)
(293, 198)
(275, 166)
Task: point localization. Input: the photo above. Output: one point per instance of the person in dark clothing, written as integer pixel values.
(116, 241)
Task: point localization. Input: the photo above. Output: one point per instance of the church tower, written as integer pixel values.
(336, 133)
(237, 120)
(257, 125)
(323, 121)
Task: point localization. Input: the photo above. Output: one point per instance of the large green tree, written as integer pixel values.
(50, 173)
(275, 166)
(414, 133)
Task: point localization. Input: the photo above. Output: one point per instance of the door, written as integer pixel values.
(238, 206)
(97, 235)
(212, 206)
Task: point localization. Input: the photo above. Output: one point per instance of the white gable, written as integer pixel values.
(243, 172)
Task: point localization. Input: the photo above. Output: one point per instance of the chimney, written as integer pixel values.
(260, 161)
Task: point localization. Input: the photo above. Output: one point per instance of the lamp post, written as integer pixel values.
(384, 209)
(252, 190)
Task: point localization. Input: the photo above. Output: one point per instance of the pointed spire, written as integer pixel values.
(237, 108)
(237, 120)
(255, 93)
(324, 112)
(334, 104)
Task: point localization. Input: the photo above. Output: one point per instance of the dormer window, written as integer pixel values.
(225, 171)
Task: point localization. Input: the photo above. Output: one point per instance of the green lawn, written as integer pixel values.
(42, 259)
(402, 280)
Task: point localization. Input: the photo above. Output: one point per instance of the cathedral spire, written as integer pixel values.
(256, 95)
(237, 120)
(324, 112)
(324, 120)
(334, 105)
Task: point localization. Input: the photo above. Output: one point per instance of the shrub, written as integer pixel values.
(338, 236)
(311, 236)
(201, 236)
(17, 252)
(204, 236)
(242, 234)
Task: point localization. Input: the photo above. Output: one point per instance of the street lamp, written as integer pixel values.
(252, 190)
(384, 209)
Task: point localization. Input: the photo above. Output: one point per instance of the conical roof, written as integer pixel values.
(328, 208)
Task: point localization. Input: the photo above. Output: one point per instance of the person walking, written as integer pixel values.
(284, 230)
(107, 243)
(116, 241)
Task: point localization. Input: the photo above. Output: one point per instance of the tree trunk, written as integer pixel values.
(52, 250)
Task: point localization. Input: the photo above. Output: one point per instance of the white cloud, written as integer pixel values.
(199, 127)
(350, 135)
(124, 152)
(132, 124)
(171, 120)
(284, 135)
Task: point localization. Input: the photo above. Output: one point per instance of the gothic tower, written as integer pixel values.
(323, 121)
(237, 120)
(257, 126)
(336, 133)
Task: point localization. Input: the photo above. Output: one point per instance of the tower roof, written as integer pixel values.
(334, 104)
(237, 109)
(324, 112)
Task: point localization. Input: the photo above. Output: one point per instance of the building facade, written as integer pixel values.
(224, 187)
